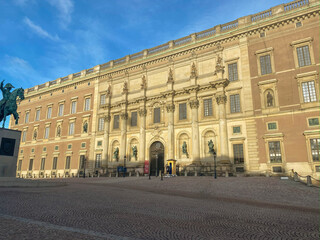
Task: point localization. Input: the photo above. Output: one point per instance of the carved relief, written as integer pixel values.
(142, 112)
(143, 82)
(170, 107)
(219, 66)
(194, 104)
(107, 118)
(156, 132)
(109, 91)
(221, 99)
(170, 76)
(193, 73)
(124, 116)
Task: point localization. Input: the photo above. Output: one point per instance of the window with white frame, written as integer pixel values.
(207, 107)
(116, 119)
(60, 112)
(42, 165)
(37, 114)
(46, 132)
(235, 103)
(30, 164)
(54, 164)
(315, 149)
(303, 56)
(101, 124)
(156, 115)
(98, 160)
(233, 71)
(275, 152)
(102, 99)
(19, 165)
(49, 112)
(238, 153)
(71, 128)
(27, 117)
(73, 107)
(24, 135)
(309, 92)
(87, 104)
(68, 160)
(134, 119)
(182, 111)
(265, 64)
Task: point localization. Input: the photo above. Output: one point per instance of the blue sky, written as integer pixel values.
(42, 40)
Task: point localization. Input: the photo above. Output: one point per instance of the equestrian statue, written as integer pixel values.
(8, 104)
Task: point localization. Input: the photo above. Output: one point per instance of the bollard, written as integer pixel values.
(295, 177)
(137, 174)
(185, 173)
(227, 174)
(110, 175)
(160, 173)
(129, 174)
(309, 181)
(195, 173)
(117, 175)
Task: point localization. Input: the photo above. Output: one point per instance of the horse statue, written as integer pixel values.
(10, 106)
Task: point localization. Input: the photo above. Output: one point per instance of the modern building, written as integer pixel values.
(250, 87)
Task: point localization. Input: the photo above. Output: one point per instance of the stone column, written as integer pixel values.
(194, 105)
(142, 135)
(123, 140)
(170, 111)
(221, 99)
(106, 141)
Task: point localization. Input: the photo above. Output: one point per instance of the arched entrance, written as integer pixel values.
(156, 158)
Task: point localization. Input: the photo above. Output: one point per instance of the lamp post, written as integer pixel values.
(215, 163)
(124, 165)
(84, 167)
(157, 164)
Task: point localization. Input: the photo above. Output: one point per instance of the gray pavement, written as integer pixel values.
(175, 208)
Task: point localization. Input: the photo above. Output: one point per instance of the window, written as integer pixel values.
(298, 24)
(101, 124)
(236, 129)
(272, 126)
(275, 152)
(27, 117)
(156, 115)
(303, 56)
(21, 151)
(73, 107)
(315, 148)
(68, 159)
(317, 168)
(19, 165)
(44, 149)
(54, 164)
(102, 99)
(134, 118)
(87, 104)
(38, 115)
(32, 150)
(82, 162)
(71, 128)
(60, 112)
(182, 111)
(313, 121)
(233, 72)
(238, 153)
(46, 132)
(116, 122)
(98, 160)
(43, 161)
(49, 112)
(207, 107)
(24, 135)
(235, 103)
(265, 64)
(30, 164)
(99, 143)
(309, 92)
(56, 148)
(69, 146)
(83, 145)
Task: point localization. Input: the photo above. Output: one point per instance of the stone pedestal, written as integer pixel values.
(9, 150)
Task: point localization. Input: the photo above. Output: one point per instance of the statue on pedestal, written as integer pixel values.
(8, 105)
(116, 153)
(184, 148)
(211, 147)
(134, 152)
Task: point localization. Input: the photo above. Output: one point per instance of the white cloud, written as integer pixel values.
(22, 74)
(39, 30)
(65, 8)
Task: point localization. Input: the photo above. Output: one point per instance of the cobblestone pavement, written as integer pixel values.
(175, 208)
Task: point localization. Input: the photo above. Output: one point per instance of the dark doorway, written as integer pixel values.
(156, 158)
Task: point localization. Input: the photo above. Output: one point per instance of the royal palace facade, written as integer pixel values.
(250, 87)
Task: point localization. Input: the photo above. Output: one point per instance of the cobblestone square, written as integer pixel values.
(175, 208)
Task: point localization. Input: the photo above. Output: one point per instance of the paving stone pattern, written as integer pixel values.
(175, 208)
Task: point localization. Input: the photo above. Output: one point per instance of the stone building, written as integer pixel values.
(250, 87)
